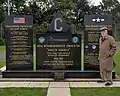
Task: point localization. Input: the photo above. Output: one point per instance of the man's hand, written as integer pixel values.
(112, 47)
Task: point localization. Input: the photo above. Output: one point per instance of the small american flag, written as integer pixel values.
(19, 20)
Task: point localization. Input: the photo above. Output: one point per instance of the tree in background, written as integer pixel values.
(2, 12)
(82, 9)
(72, 10)
(111, 7)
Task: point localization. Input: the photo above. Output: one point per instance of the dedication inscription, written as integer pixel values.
(19, 42)
(58, 51)
(93, 23)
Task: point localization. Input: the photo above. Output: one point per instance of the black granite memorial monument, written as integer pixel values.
(58, 50)
(93, 23)
(19, 44)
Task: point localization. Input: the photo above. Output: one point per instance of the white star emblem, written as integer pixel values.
(98, 20)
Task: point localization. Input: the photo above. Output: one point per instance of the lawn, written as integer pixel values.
(2, 48)
(95, 92)
(117, 61)
(2, 63)
(23, 92)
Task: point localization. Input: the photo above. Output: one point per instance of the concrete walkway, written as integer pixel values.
(56, 88)
(56, 84)
(58, 92)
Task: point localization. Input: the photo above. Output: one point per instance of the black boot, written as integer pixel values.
(108, 83)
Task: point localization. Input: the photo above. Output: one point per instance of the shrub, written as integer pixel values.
(2, 41)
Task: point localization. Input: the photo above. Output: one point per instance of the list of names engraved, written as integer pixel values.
(18, 44)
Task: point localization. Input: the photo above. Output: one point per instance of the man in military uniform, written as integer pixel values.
(107, 48)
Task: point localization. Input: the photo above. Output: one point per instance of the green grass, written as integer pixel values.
(2, 63)
(2, 48)
(117, 61)
(23, 92)
(34, 45)
(95, 92)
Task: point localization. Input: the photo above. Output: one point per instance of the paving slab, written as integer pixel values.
(116, 84)
(26, 79)
(79, 84)
(59, 84)
(4, 84)
(95, 84)
(58, 92)
(56, 84)
(19, 84)
(39, 84)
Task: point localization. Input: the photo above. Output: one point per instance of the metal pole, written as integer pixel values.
(8, 7)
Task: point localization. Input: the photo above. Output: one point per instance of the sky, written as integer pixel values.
(97, 2)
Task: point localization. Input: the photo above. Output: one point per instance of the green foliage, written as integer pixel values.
(2, 15)
(35, 10)
(111, 7)
(44, 27)
(72, 10)
(81, 10)
(2, 41)
(18, 6)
